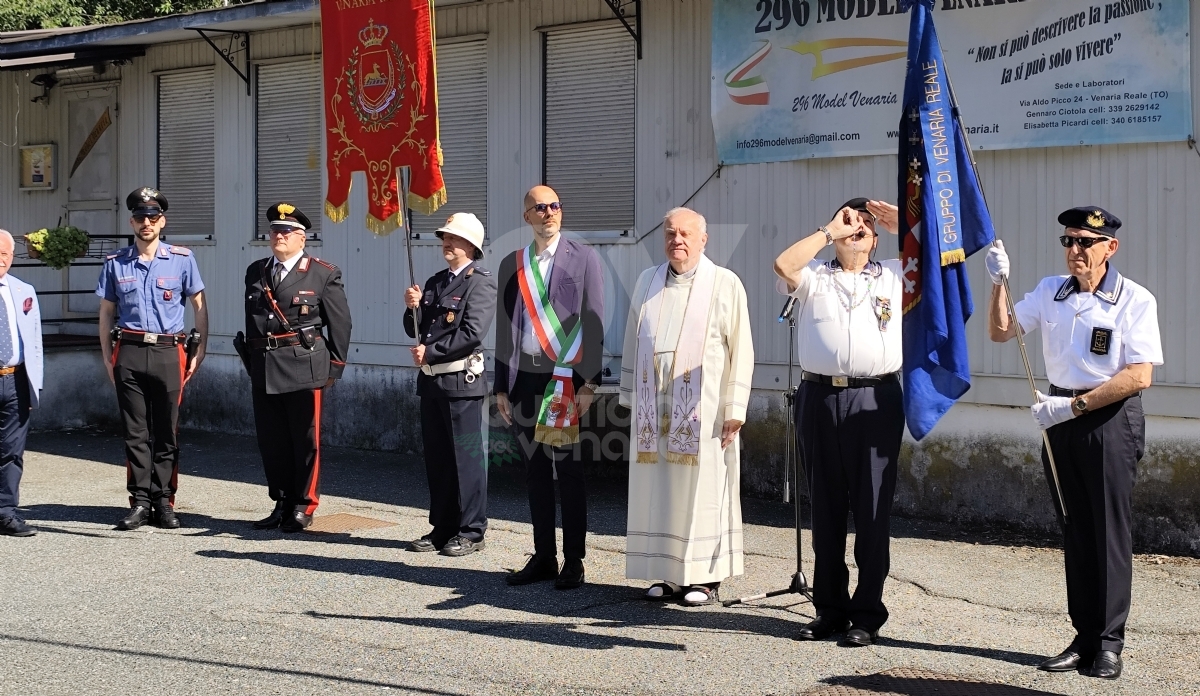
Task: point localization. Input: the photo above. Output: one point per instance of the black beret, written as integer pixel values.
(1092, 218)
(146, 201)
(859, 204)
(286, 212)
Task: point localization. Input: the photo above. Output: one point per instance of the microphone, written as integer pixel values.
(787, 308)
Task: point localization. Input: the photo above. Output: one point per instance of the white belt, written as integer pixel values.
(445, 368)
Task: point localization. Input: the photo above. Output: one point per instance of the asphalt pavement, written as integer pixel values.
(220, 608)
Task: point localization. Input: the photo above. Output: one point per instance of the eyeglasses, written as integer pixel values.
(1084, 242)
(284, 231)
(544, 209)
(859, 236)
(143, 218)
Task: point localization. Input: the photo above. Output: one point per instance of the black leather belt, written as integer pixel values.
(851, 382)
(143, 338)
(273, 342)
(1059, 391)
(539, 360)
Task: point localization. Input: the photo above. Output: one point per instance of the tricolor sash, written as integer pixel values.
(682, 426)
(558, 419)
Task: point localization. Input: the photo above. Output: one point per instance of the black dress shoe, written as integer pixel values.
(821, 628)
(461, 546)
(860, 637)
(139, 515)
(571, 575)
(272, 520)
(536, 569)
(165, 517)
(1068, 660)
(1107, 665)
(295, 522)
(425, 544)
(15, 526)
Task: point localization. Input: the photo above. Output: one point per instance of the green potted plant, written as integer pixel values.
(57, 246)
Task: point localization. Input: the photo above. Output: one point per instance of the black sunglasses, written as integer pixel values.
(143, 218)
(541, 208)
(1084, 242)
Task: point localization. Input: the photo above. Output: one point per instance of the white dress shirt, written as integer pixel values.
(288, 265)
(6, 295)
(839, 329)
(1087, 338)
(545, 261)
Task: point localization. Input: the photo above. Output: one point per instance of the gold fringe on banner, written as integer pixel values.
(427, 206)
(647, 458)
(337, 213)
(954, 256)
(383, 227)
(556, 437)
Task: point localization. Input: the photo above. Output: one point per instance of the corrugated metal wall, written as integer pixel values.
(754, 211)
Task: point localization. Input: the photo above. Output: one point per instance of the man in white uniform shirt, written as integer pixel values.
(1101, 342)
(849, 413)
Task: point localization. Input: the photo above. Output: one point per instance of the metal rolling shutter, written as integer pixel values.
(186, 125)
(463, 114)
(590, 82)
(288, 140)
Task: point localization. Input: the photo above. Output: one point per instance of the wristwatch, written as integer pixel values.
(1080, 404)
(828, 237)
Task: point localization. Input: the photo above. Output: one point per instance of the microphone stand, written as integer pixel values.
(791, 467)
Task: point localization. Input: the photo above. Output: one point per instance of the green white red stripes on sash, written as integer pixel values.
(558, 419)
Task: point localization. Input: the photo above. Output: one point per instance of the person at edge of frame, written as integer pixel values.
(449, 320)
(1101, 342)
(143, 290)
(295, 345)
(545, 381)
(20, 384)
(849, 412)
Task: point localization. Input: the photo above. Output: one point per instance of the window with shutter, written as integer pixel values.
(288, 140)
(589, 87)
(186, 174)
(462, 126)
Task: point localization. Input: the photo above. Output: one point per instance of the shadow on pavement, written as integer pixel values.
(904, 682)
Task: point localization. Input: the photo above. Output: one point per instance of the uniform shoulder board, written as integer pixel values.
(326, 264)
(482, 271)
(118, 252)
(182, 251)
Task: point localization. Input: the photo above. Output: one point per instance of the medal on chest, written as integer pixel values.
(883, 311)
(449, 317)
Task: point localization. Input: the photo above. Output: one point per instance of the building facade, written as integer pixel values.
(553, 91)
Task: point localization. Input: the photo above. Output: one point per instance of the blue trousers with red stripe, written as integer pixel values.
(289, 439)
(149, 381)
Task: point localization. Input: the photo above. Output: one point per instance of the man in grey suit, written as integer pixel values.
(549, 350)
(20, 383)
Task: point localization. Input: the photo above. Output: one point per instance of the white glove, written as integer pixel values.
(1051, 410)
(997, 262)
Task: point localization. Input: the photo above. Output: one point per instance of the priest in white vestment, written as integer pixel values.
(685, 374)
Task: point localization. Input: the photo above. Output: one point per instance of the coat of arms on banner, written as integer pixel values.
(381, 108)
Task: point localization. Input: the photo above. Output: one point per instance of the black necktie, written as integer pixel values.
(276, 276)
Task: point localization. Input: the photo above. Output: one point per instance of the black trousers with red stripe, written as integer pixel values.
(289, 439)
(149, 381)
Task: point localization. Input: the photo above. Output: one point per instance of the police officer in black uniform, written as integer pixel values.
(451, 318)
(143, 291)
(295, 345)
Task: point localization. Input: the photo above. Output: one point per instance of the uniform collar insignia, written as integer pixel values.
(1109, 290)
(303, 265)
(873, 268)
(163, 251)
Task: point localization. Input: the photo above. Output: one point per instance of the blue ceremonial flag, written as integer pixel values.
(943, 220)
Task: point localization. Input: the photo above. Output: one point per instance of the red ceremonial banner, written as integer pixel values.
(381, 106)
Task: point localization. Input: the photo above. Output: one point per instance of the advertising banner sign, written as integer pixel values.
(794, 79)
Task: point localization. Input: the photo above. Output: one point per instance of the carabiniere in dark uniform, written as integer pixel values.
(455, 312)
(295, 345)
